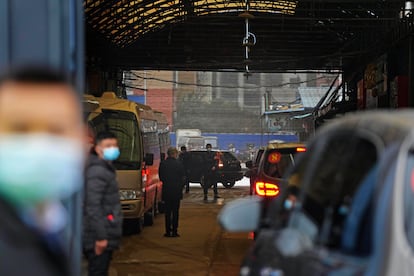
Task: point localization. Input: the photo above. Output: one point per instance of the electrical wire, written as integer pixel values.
(220, 86)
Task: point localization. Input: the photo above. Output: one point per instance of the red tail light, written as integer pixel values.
(144, 172)
(267, 189)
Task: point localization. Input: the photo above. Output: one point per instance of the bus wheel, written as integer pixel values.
(149, 216)
(132, 226)
(228, 184)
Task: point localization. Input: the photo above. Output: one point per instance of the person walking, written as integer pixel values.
(210, 173)
(102, 208)
(185, 159)
(172, 175)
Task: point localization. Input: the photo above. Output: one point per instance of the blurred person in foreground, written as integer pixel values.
(172, 175)
(185, 159)
(41, 164)
(102, 208)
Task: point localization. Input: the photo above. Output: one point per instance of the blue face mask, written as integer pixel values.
(39, 167)
(288, 204)
(111, 153)
(343, 210)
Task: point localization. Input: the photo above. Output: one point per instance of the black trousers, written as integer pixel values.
(187, 184)
(98, 265)
(172, 208)
(210, 180)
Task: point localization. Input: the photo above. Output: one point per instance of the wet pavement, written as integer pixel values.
(203, 248)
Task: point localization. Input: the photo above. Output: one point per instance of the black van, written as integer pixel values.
(229, 167)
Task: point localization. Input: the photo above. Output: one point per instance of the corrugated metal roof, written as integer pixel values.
(123, 22)
(208, 34)
(312, 95)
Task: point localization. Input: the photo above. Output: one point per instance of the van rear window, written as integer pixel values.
(277, 162)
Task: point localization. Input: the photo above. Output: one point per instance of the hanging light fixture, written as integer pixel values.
(249, 39)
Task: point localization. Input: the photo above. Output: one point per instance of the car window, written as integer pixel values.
(277, 162)
(409, 200)
(338, 169)
(228, 156)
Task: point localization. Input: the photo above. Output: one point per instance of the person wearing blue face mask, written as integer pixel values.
(41, 165)
(102, 208)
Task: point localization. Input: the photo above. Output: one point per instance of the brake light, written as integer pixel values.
(144, 174)
(300, 149)
(267, 189)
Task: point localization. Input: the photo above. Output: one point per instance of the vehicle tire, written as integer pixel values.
(149, 216)
(132, 226)
(229, 184)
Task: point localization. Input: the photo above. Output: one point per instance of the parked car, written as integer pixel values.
(354, 214)
(229, 167)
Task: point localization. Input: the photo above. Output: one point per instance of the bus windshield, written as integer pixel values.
(124, 125)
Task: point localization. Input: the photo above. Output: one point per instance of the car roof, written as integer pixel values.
(388, 126)
(213, 150)
(382, 128)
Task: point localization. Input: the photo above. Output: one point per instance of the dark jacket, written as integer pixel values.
(23, 251)
(172, 175)
(211, 163)
(102, 214)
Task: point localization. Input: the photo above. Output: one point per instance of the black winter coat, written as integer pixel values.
(102, 213)
(172, 175)
(25, 252)
(210, 163)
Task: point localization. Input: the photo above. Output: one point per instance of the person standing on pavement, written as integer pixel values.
(172, 175)
(210, 173)
(102, 208)
(184, 158)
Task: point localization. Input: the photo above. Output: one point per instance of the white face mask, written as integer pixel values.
(39, 167)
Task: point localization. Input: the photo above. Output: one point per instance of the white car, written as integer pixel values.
(355, 211)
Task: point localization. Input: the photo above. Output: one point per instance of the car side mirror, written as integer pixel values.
(249, 164)
(241, 215)
(149, 159)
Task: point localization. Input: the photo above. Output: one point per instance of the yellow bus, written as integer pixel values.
(136, 128)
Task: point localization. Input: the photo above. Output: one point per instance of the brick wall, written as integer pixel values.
(162, 100)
